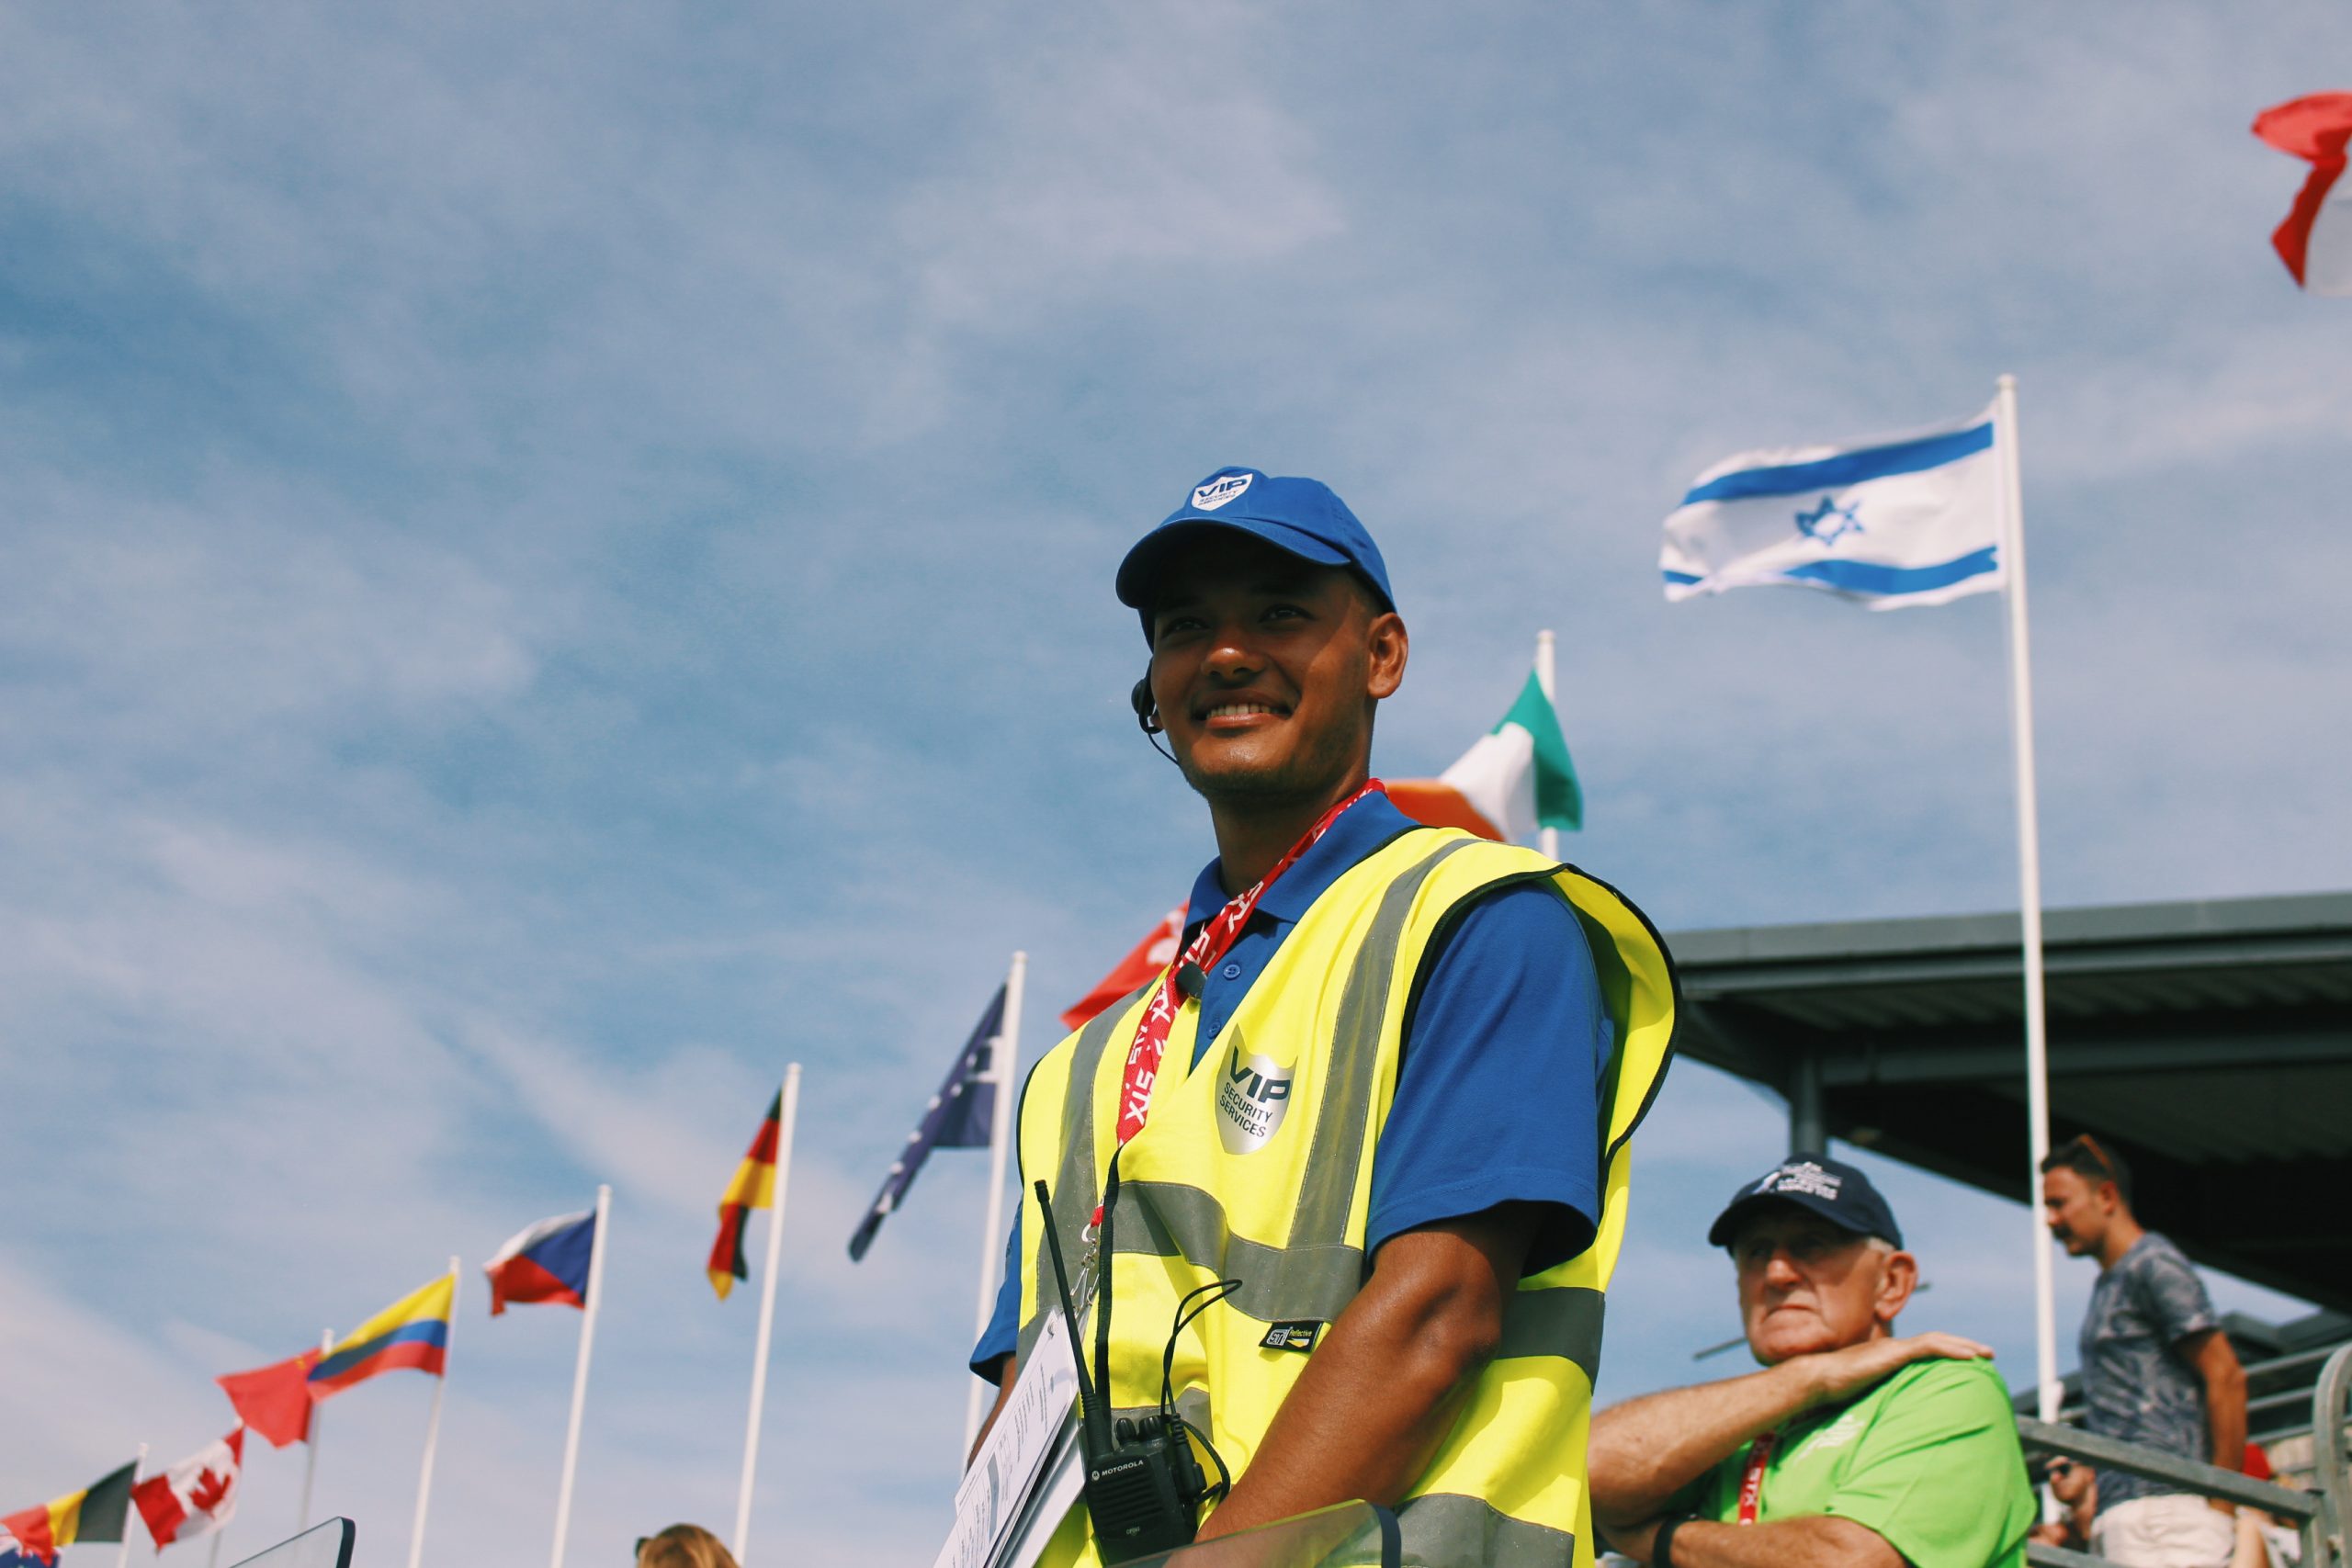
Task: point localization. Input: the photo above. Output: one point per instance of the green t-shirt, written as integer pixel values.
(1929, 1459)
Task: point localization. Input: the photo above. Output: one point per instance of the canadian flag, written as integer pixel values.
(196, 1496)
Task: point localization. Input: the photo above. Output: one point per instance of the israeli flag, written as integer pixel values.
(1906, 520)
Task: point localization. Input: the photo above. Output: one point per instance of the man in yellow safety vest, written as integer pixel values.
(1386, 1087)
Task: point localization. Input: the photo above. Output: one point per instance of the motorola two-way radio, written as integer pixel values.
(1143, 1488)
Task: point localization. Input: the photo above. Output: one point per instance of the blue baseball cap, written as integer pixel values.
(1830, 1187)
(1304, 517)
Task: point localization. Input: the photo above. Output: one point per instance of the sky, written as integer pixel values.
(558, 558)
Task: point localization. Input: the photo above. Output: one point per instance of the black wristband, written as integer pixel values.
(1662, 1544)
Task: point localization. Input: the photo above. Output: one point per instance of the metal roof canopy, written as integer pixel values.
(2210, 1043)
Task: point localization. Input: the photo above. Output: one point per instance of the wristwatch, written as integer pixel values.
(1662, 1543)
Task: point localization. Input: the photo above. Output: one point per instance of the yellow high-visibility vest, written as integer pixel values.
(1257, 1166)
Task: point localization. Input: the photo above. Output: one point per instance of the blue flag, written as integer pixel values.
(960, 1116)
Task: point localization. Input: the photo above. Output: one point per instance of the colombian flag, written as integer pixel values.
(97, 1512)
(412, 1332)
(753, 1187)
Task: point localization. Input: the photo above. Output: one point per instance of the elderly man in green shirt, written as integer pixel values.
(1851, 1446)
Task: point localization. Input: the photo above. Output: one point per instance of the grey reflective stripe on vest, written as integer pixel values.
(1446, 1530)
(1316, 1276)
(1557, 1320)
(1073, 1190)
(1278, 1284)
(1346, 1103)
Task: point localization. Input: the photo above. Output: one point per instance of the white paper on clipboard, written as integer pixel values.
(1005, 1477)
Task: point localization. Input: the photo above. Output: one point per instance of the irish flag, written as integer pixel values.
(2315, 242)
(1516, 778)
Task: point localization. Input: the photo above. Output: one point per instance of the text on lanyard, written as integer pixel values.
(1216, 936)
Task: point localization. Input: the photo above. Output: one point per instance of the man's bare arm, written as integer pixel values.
(1822, 1540)
(1647, 1450)
(1644, 1451)
(2215, 1362)
(1380, 1393)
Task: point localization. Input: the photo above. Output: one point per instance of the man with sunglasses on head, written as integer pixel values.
(1852, 1447)
(2156, 1368)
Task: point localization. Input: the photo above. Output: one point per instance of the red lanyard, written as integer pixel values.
(1216, 937)
(1751, 1480)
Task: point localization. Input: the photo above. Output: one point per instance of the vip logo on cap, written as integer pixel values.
(1252, 1100)
(1219, 491)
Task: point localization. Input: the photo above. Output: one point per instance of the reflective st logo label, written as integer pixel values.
(1252, 1097)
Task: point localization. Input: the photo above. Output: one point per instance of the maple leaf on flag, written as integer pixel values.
(209, 1488)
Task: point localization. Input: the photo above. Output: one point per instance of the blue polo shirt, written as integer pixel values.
(1499, 1090)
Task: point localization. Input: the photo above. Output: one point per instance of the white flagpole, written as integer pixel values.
(310, 1444)
(1546, 839)
(767, 1309)
(579, 1371)
(212, 1558)
(137, 1465)
(2036, 1043)
(1001, 1055)
(433, 1422)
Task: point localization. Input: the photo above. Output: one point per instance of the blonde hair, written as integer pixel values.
(684, 1546)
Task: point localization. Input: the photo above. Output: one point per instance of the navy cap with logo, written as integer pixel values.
(1830, 1187)
(1304, 517)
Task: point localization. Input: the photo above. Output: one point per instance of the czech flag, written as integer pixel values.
(545, 1262)
(412, 1332)
(2315, 242)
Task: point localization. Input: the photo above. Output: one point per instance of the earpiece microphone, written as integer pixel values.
(1146, 711)
(1147, 716)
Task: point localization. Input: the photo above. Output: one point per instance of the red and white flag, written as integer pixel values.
(1156, 952)
(2315, 242)
(196, 1496)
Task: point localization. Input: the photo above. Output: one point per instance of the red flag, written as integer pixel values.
(1153, 954)
(2315, 242)
(28, 1533)
(1437, 804)
(274, 1400)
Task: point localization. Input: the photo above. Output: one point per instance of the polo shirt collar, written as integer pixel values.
(1361, 828)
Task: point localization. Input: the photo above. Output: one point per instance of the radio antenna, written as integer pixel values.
(1093, 1415)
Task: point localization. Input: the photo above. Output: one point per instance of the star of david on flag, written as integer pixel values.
(1901, 520)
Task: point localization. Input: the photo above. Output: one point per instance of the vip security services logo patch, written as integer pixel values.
(1252, 1100)
(1220, 489)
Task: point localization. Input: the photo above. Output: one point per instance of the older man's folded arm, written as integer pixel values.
(1823, 1540)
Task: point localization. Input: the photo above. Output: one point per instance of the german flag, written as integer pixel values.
(753, 1187)
(97, 1512)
